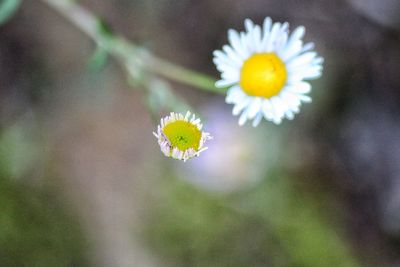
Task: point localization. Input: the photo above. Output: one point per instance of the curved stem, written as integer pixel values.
(126, 51)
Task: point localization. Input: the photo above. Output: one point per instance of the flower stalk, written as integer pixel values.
(127, 52)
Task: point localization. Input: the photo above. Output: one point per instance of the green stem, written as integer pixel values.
(127, 52)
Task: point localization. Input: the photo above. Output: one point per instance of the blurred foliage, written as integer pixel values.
(272, 224)
(7, 9)
(98, 59)
(36, 229)
(188, 227)
(161, 99)
(306, 234)
(20, 149)
(275, 223)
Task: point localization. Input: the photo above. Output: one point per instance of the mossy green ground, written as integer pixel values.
(272, 224)
(36, 230)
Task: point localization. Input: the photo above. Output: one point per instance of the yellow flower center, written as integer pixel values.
(183, 135)
(263, 74)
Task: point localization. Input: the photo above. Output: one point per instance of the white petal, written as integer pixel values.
(251, 47)
(234, 39)
(257, 38)
(297, 34)
(234, 56)
(223, 83)
(254, 107)
(275, 117)
(257, 119)
(277, 120)
(249, 25)
(244, 42)
(273, 37)
(307, 47)
(243, 117)
(300, 87)
(266, 31)
(235, 95)
(311, 73)
(318, 61)
(291, 50)
(281, 38)
(289, 114)
(277, 109)
(222, 58)
(301, 61)
(267, 110)
(231, 76)
(241, 105)
(294, 43)
(225, 67)
(284, 105)
(292, 99)
(196, 121)
(305, 98)
(267, 26)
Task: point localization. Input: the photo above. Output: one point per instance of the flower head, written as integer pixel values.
(266, 68)
(180, 137)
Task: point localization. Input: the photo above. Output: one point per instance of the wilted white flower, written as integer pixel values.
(180, 137)
(265, 68)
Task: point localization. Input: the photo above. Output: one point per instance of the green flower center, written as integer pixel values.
(183, 135)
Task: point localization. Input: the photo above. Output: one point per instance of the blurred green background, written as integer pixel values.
(83, 182)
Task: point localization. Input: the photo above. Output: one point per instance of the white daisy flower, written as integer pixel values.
(180, 137)
(266, 68)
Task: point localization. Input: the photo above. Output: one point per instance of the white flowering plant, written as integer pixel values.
(264, 73)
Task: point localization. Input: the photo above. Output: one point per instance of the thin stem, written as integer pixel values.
(126, 51)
